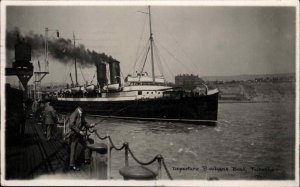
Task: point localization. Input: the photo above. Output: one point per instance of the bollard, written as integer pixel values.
(159, 157)
(109, 158)
(98, 167)
(126, 153)
(137, 173)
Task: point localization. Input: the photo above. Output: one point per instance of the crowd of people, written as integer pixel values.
(76, 129)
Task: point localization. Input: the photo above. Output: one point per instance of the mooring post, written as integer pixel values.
(159, 160)
(126, 153)
(109, 157)
(98, 167)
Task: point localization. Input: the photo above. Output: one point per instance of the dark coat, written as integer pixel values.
(75, 123)
(50, 115)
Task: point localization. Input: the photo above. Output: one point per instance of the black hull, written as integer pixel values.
(196, 110)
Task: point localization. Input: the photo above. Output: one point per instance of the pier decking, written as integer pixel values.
(33, 156)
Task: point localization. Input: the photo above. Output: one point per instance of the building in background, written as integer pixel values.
(188, 81)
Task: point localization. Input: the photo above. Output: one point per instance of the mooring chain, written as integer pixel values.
(166, 169)
(157, 157)
(142, 163)
(113, 145)
(110, 140)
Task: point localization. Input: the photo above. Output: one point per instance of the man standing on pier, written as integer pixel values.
(50, 117)
(35, 106)
(76, 133)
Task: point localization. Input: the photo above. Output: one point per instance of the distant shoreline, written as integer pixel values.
(228, 101)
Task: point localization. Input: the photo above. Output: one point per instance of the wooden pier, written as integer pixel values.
(32, 156)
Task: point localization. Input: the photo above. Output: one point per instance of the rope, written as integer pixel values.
(144, 55)
(115, 112)
(93, 78)
(175, 58)
(82, 74)
(145, 60)
(166, 169)
(101, 138)
(157, 56)
(178, 44)
(157, 157)
(133, 156)
(139, 45)
(142, 163)
(110, 140)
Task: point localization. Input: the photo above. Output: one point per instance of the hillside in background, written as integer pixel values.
(245, 77)
(257, 91)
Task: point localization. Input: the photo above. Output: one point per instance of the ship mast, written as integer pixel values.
(151, 46)
(76, 82)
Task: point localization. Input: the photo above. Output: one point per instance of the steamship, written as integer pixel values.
(140, 97)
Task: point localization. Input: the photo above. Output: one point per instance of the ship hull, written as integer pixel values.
(196, 110)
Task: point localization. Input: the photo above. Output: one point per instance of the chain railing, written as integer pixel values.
(159, 158)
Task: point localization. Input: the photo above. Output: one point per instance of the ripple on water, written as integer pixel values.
(246, 135)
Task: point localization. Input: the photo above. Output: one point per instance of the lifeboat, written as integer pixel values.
(67, 91)
(90, 88)
(76, 89)
(113, 87)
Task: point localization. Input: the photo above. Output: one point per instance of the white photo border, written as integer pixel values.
(246, 183)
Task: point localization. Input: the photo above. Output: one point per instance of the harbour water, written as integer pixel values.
(251, 141)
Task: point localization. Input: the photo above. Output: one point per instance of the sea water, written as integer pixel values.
(251, 141)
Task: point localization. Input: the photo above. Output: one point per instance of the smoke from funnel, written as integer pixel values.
(61, 49)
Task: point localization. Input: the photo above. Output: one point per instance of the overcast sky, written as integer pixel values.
(207, 41)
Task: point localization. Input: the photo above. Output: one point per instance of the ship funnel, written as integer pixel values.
(114, 68)
(101, 74)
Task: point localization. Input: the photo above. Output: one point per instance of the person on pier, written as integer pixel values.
(76, 132)
(51, 118)
(35, 107)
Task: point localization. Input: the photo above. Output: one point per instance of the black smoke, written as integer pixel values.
(61, 49)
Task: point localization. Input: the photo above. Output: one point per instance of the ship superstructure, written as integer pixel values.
(141, 96)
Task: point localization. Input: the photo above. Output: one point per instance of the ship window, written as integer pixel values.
(139, 92)
(158, 92)
(151, 92)
(147, 92)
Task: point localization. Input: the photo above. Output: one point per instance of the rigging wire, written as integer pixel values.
(68, 69)
(122, 76)
(93, 77)
(142, 55)
(145, 59)
(176, 59)
(168, 68)
(157, 57)
(80, 67)
(178, 44)
(139, 45)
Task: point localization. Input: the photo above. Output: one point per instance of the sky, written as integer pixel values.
(206, 41)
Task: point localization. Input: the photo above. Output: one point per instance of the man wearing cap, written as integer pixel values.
(50, 117)
(76, 127)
